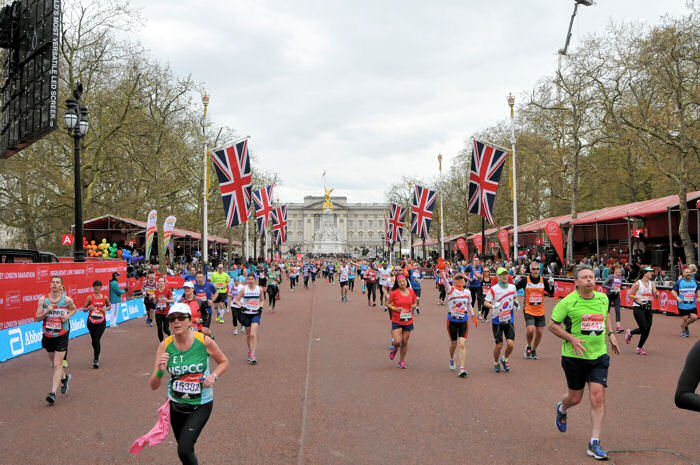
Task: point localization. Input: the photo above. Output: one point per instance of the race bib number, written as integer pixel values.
(458, 313)
(252, 303)
(405, 316)
(688, 296)
(504, 316)
(193, 329)
(536, 299)
(55, 324)
(592, 324)
(161, 305)
(220, 285)
(190, 385)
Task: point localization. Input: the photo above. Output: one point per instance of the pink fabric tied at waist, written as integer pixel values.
(157, 434)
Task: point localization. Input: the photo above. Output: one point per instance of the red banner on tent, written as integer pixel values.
(462, 246)
(553, 231)
(478, 243)
(503, 237)
(22, 285)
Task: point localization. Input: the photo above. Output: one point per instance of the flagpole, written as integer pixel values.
(205, 242)
(483, 238)
(442, 229)
(511, 103)
(245, 253)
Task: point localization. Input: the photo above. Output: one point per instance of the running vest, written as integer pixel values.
(53, 326)
(97, 314)
(250, 302)
(344, 273)
(187, 371)
(195, 306)
(220, 281)
(371, 276)
(161, 297)
(534, 297)
(646, 294)
(502, 300)
(233, 291)
(686, 291)
(149, 291)
(616, 284)
(457, 303)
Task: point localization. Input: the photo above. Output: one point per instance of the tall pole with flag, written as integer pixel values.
(514, 191)
(442, 228)
(205, 188)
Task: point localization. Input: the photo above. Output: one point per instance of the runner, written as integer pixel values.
(415, 276)
(313, 270)
(501, 300)
(612, 286)
(475, 272)
(149, 301)
(192, 275)
(163, 299)
(384, 275)
(371, 282)
(686, 292)
(272, 287)
(220, 280)
(584, 352)
(55, 310)
(642, 293)
(459, 302)
(331, 272)
(205, 292)
(441, 285)
(401, 303)
(535, 287)
(95, 305)
(486, 282)
(363, 269)
(185, 356)
(234, 288)
(251, 302)
(115, 297)
(306, 273)
(343, 278)
(351, 277)
(293, 277)
(198, 308)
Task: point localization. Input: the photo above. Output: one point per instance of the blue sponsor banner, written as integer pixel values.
(27, 338)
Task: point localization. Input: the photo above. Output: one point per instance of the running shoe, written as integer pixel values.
(115, 325)
(640, 351)
(221, 321)
(595, 451)
(65, 363)
(369, 304)
(417, 311)
(619, 329)
(392, 353)
(374, 304)
(150, 323)
(506, 365)
(496, 368)
(462, 372)
(560, 419)
(402, 364)
(533, 354)
(235, 331)
(452, 364)
(628, 336)
(683, 334)
(249, 353)
(528, 352)
(65, 384)
(687, 332)
(95, 364)
(51, 398)
(253, 361)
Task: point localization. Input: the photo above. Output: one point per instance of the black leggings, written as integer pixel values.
(292, 283)
(614, 299)
(351, 284)
(96, 331)
(162, 326)
(443, 292)
(235, 315)
(477, 298)
(272, 294)
(306, 281)
(643, 316)
(371, 289)
(188, 422)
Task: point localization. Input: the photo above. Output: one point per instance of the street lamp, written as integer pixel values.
(205, 188)
(77, 124)
(511, 103)
(442, 229)
(571, 23)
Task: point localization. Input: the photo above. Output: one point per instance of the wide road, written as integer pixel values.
(325, 392)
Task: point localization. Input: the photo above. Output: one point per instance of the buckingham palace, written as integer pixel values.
(352, 228)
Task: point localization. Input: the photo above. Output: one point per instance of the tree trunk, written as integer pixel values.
(574, 207)
(683, 230)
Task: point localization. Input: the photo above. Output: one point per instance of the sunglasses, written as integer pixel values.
(178, 318)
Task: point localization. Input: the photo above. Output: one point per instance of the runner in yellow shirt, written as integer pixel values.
(220, 280)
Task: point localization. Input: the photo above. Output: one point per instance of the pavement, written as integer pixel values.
(325, 392)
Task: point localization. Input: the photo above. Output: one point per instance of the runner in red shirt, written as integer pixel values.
(401, 304)
(371, 282)
(163, 297)
(95, 305)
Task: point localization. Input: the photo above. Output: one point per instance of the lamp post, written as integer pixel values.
(511, 103)
(442, 228)
(205, 189)
(77, 124)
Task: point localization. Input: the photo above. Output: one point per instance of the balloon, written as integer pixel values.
(441, 264)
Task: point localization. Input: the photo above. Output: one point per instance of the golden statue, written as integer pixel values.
(327, 202)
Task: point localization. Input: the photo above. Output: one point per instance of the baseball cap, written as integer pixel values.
(180, 308)
(459, 274)
(241, 279)
(501, 270)
(648, 268)
(115, 274)
(188, 284)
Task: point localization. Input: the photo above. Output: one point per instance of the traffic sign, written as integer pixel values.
(67, 239)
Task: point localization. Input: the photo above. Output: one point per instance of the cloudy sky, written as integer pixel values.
(367, 90)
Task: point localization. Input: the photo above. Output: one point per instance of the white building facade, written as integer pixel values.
(350, 228)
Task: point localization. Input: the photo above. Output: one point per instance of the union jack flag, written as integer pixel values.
(397, 218)
(262, 198)
(485, 173)
(279, 224)
(422, 210)
(233, 169)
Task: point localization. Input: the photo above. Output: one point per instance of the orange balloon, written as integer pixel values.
(441, 264)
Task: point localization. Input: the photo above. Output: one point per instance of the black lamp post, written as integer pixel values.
(76, 121)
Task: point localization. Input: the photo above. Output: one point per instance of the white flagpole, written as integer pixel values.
(511, 103)
(245, 254)
(205, 207)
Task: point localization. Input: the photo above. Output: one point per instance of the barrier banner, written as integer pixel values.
(462, 246)
(168, 227)
(27, 338)
(151, 228)
(22, 285)
(503, 237)
(479, 243)
(553, 231)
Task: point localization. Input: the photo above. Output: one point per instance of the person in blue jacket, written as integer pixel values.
(115, 296)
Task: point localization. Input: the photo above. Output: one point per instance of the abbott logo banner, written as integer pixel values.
(16, 342)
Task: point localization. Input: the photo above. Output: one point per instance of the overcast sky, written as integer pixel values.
(367, 90)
